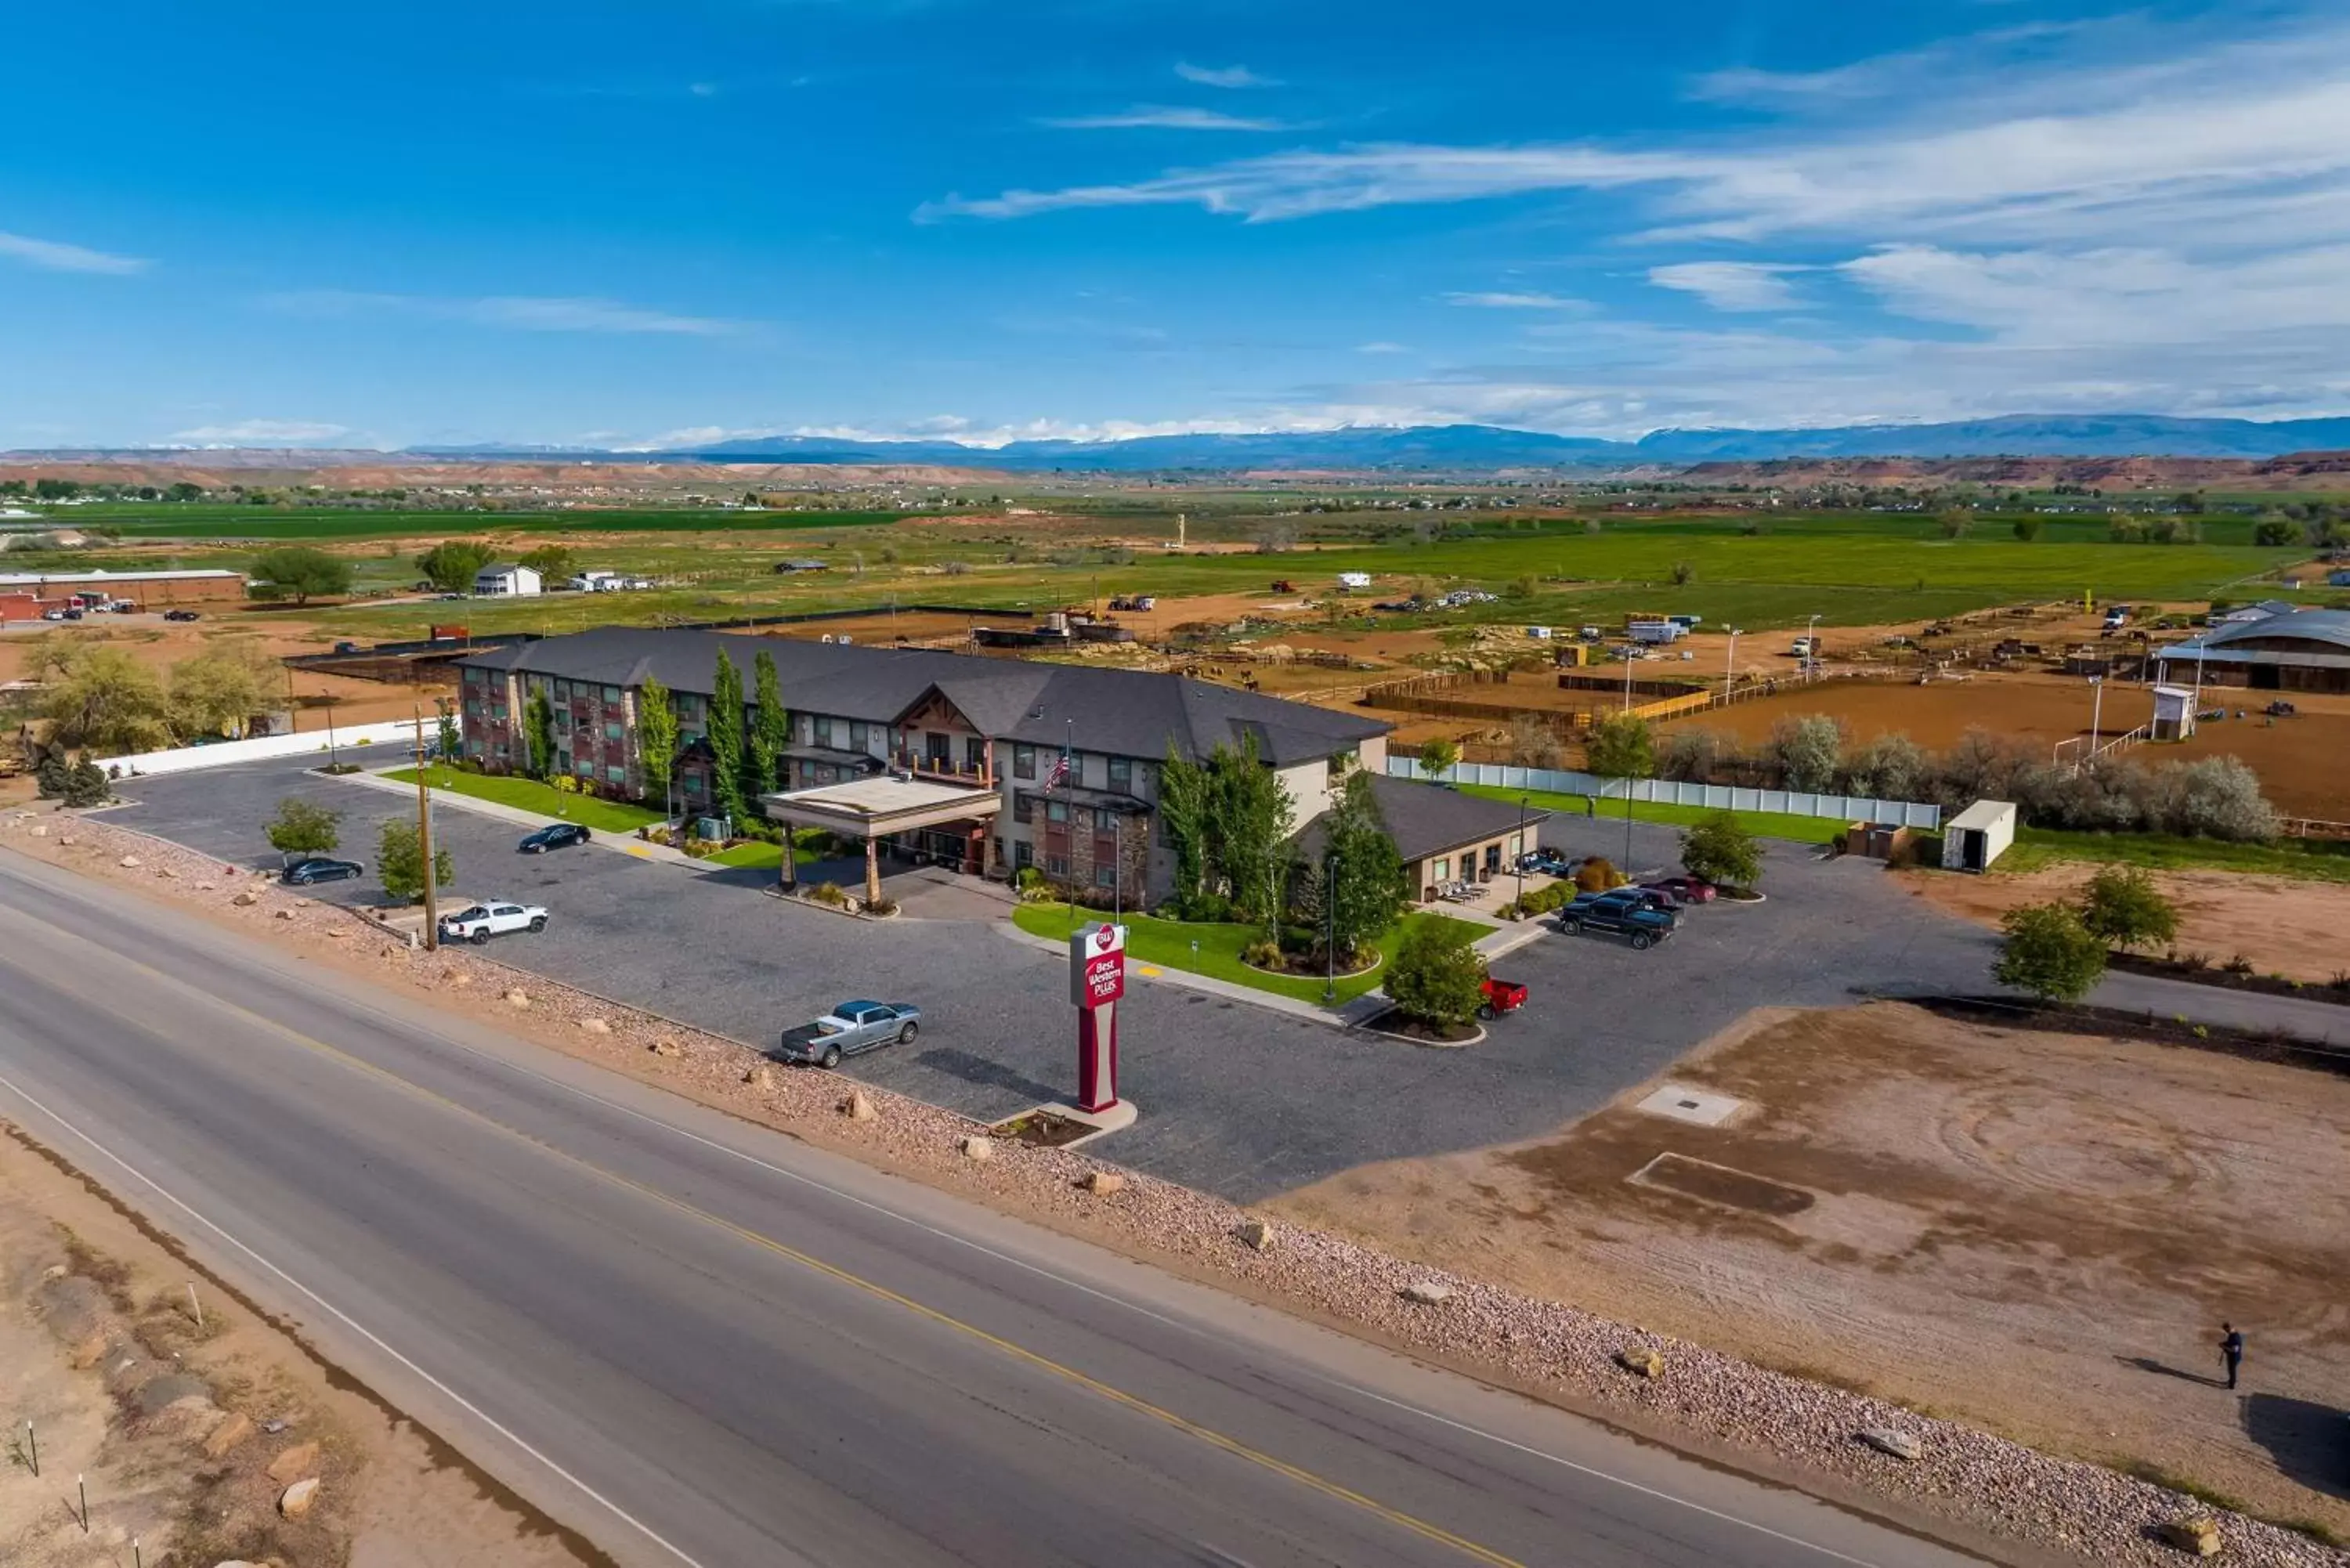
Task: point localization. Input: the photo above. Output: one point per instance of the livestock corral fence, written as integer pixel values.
(1671, 792)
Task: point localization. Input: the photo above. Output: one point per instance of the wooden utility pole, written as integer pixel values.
(424, 840)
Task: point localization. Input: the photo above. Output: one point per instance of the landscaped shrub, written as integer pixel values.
(1437, 977)
(829, 893)
(2050, 953)
(884, 905)
(1597, 876)
(1263, 955)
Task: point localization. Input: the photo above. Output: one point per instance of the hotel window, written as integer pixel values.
(974, 752)
(1056, 811)
(611, 694)
(1444, 868)
(1121, 775)
(1024, 761)
(616, 773)
(860, 737)
(1105, 875)
(1057, 865)
(613, 730)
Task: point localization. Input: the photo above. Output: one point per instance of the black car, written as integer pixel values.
(182, 615)
(554, 836)
(319, 868)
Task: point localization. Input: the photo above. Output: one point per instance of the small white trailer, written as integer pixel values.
(1978, 835)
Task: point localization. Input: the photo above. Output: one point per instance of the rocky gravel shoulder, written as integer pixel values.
(1850, 1443)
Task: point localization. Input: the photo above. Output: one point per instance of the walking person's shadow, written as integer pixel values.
(2149, 1364)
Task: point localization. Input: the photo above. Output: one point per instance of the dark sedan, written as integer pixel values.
(319, 868)
(554, 835)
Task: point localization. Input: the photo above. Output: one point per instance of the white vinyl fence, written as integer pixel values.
(356, 743)
(1713, 797)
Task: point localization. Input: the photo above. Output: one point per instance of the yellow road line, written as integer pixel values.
(1207, 1435)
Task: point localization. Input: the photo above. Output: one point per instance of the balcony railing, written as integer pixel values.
(924, 766)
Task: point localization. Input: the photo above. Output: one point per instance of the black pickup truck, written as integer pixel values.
(1620, 914)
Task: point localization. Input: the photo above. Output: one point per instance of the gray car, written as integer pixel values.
(849, 1028)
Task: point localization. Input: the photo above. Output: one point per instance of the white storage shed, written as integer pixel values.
(1978, 835)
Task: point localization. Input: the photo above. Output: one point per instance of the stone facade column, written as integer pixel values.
(872, 868)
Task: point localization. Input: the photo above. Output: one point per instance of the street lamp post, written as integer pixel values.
(1523, 801)
(1630, 650)
(2097, 714)
(1330, 930)
(1729, 664)
(1810, 644)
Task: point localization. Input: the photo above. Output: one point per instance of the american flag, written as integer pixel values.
(1059, 773)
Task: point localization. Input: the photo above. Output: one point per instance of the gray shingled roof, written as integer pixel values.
(1427, 819)
(1126, 712)
(2315, 625)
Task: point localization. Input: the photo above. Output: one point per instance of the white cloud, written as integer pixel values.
(264, 432)
(1222, 75)
(1503, 300)
(54, 255)
(1731, 286)
(525, 312)
(1164, 117)
(1381, 347)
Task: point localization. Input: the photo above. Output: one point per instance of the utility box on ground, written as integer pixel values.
(1978, 835)
(2174, 714)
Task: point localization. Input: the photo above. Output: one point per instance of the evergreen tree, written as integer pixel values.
(538, 734)
(771, 730)
(726, 737)
(656, 737)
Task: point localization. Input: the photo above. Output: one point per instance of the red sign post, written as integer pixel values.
(1096, 980)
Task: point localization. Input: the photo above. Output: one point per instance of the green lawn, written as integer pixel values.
(529, 794)
(2316, 859)
(1762, 824)
(1168, 943)
(769, 855)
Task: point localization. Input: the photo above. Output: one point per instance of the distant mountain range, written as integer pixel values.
(1482, 447)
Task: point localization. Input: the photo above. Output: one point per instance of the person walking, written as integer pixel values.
(2232, 1349)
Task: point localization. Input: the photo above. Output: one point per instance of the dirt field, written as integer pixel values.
(161, 643)
(1978, 1222)
(2283, 925)
(2299, 759)
(96, 1332)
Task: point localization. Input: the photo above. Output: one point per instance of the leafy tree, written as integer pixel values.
(771, 729)
(2274, 531)
(56, 489)
(86, 785)
(2122, 907)
(400, 862)
(1184, 788)
(1954, 524)
(1437, 755)
(1684, 573)
(451, 565)
(102, 699)
(548, 561)
(1720, 849)
(1254, 821)
(300, 573)
(446, 738)
(1364, 873)
(1437, 977)
(304, 828)
(1807, 751)
(184, 491)
(1621, 747)
(220, 689)
(2050, 953)
(725, 736)
(538, 734)
(2027, 529)
(656, 737)
(52, 771)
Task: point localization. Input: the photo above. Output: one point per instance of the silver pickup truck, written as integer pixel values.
(849, 1028)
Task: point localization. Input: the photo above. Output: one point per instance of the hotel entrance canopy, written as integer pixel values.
(874, 808)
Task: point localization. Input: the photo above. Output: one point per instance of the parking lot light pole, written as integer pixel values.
(424, 843)
(1522, 802)
(1330, 930)
(2097, 714)
(1729, 664)
(1811, 645)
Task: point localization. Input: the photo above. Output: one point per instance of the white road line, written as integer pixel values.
(359, 1328)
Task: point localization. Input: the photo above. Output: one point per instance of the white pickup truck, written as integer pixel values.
(478, 923)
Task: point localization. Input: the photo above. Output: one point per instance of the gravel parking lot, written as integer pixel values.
(1237, 1100)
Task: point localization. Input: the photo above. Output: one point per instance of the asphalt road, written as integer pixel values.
(701, 1342)
(1236, 1099)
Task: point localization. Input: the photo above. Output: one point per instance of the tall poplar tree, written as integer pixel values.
(726, 736)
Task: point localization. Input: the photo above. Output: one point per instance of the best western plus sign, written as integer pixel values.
(1096, 980)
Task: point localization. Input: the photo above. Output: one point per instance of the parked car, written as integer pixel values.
(1501, 996)
(1685, 890)
(1547, 863)
(554, 836)
(1643, 925)
(849, 1028)
(319, 868)
(182, 615)
(479, 922)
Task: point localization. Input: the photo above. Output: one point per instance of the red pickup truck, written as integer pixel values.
(1501, 996)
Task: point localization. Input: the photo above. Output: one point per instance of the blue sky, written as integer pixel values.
(631, 225)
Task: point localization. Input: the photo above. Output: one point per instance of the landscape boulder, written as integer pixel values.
(858, 1106)
(1103, 1182)
(1258, 1234)
(1641, 1362)
(595, 1026)
(977, 1147)
(130, 863)
(2199, 1535)
(761, 1076)
(293, 1463)
(665, 1046)
(1427, 1293)
(231, 1430)
(245, 898)
(1893, 1441)
(296, 1499)
(517, 997)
